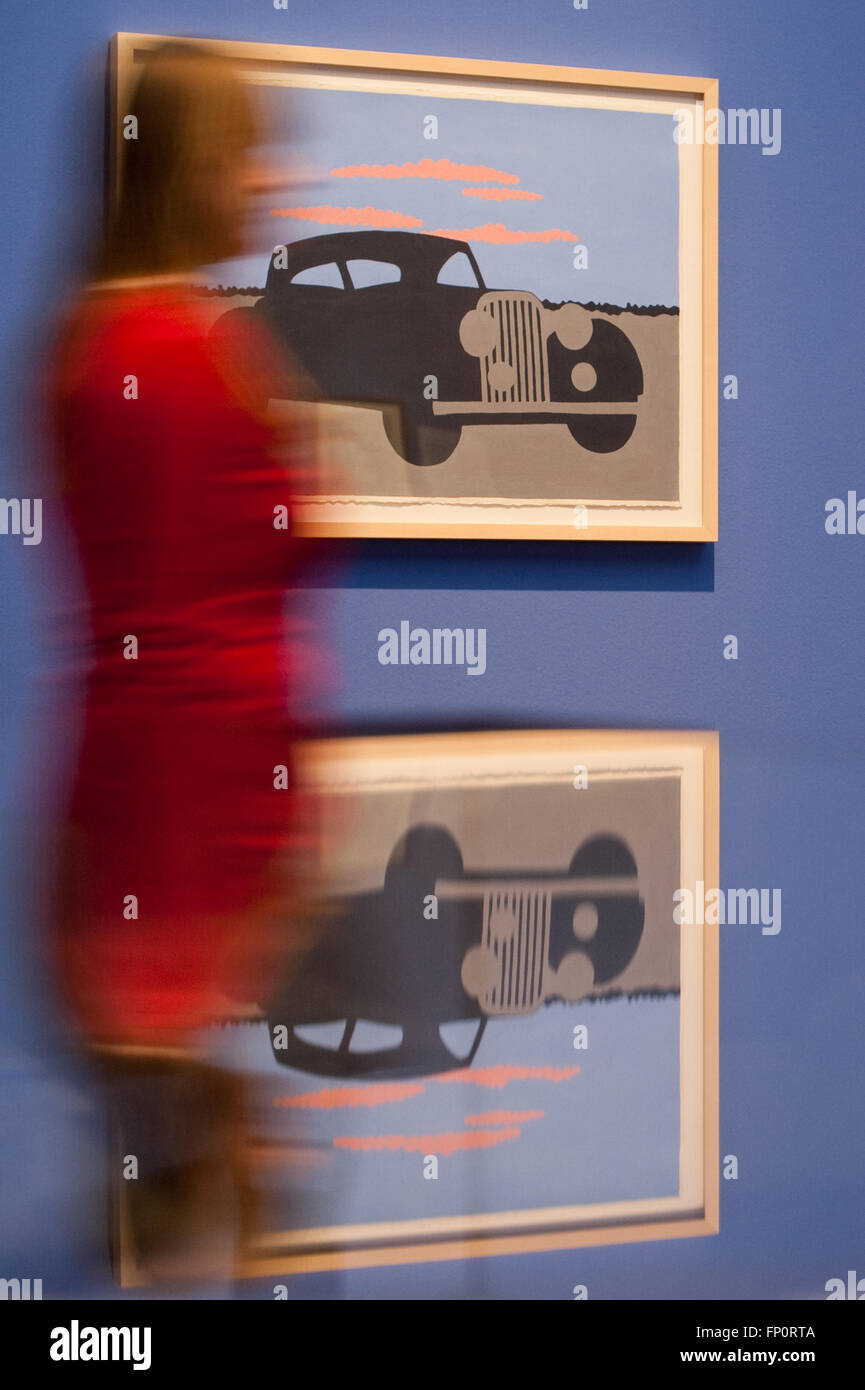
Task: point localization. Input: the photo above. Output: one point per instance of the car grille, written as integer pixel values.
(517, 929)
(522, 344)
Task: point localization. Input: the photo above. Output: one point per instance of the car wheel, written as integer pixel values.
(602, 434)
(420, 439)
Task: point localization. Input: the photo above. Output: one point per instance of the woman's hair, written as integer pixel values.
(193, 114)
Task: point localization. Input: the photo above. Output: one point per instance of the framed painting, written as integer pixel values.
(498, 1038)
(498, 282)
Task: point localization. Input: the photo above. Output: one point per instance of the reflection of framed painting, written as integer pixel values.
(499, 1040)
(500, 283)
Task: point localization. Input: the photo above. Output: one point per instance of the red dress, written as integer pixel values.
(178, 503)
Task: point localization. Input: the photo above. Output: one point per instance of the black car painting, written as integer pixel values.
(494, 946)
(402, 322)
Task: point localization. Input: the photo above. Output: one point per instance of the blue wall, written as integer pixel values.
(582, 635)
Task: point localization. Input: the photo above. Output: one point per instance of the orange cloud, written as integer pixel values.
(350, 217)
(501, 235)
(336, 1098)
(425, 169)
(504, 1117)
(500, 194)
(496, 1077)
(447, 1143)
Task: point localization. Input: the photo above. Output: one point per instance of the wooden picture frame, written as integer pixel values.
(515, 435)
(620, 766)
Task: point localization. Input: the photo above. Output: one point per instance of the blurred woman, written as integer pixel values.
(183, 800)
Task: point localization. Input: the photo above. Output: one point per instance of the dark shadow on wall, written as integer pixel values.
(544, 566)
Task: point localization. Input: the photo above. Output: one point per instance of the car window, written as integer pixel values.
(365, 1036)
(327, 1035)
(459, 1037)
(458, 270)
(364, 274)
(327, 276)
(375, 1037)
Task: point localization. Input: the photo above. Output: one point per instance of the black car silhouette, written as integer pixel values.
(402, 322)
(499, 945)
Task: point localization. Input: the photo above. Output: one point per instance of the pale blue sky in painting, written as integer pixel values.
(610, 1133)
(609, 177)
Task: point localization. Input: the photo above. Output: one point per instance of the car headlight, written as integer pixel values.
(478, 333)
(501, 376)
(584, 376)
(573, 326)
